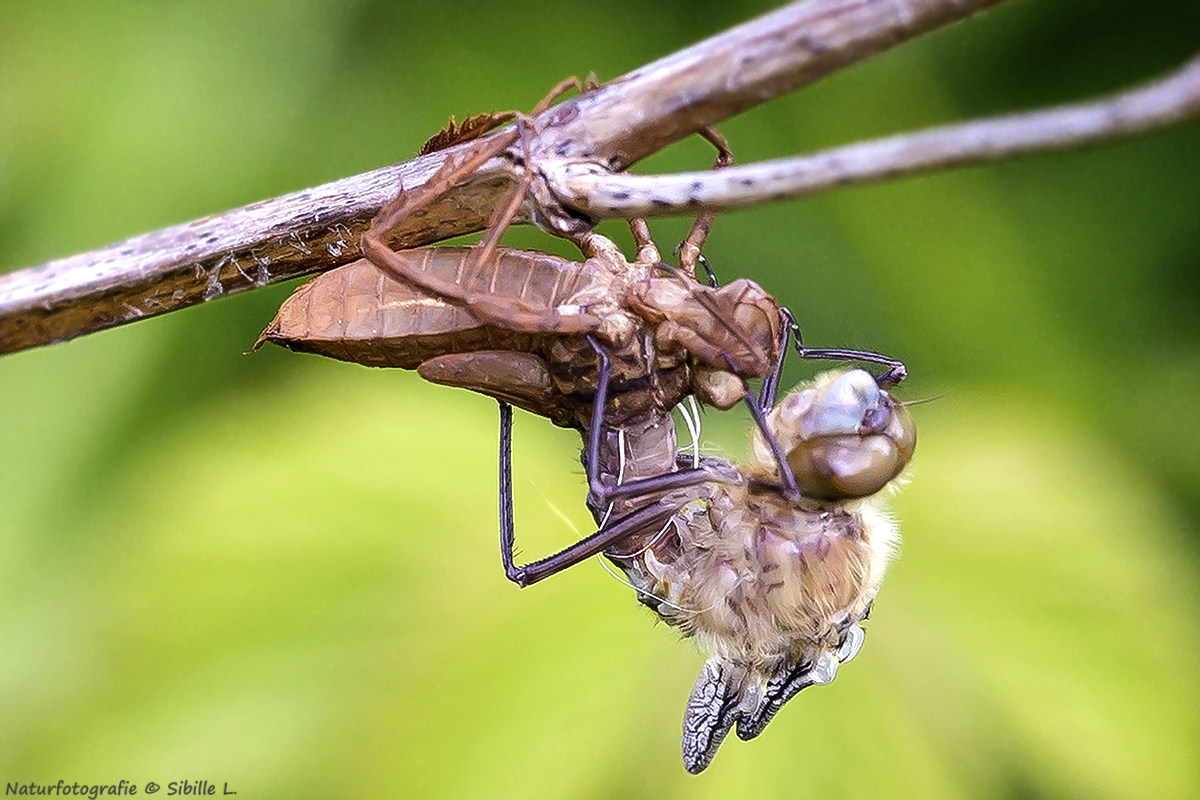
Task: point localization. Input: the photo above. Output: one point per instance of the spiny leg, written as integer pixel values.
(505, 212)
(651, 515)
(454, 171)
(507, 528)
(689, 249)
(648, 516)
(583, 549)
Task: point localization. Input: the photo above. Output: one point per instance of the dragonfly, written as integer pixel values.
(772, 584)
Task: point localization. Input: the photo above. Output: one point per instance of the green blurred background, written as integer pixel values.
(281, 572)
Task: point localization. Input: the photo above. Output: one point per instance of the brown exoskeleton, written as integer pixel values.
(529, 329)
(445, 301)
(531, 302)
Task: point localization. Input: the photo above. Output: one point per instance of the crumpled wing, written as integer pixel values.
(713, 708)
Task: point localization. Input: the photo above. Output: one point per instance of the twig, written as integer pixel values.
(317, 229)
(602, 195)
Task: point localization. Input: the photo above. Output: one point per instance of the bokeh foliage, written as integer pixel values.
(281, 572)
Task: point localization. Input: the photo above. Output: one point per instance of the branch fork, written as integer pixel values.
(578, 154)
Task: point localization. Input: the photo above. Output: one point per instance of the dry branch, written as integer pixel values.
(317, 229)
(602, 195)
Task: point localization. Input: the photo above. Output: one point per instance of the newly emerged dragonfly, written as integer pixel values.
(773, 584)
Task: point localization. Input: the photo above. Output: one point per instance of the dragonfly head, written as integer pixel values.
(844, 436)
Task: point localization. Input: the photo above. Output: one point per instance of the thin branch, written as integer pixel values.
(317, 229)
(644, 111)
(603, 195)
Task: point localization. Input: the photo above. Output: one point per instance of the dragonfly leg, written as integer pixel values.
(597, 492)
(647, 515)
(454, 170)
(601, 494)
(895, 373)
(507, 531)
(769, 391)
(505, 212)
(647, 250)
(524, 575)
(790, 487)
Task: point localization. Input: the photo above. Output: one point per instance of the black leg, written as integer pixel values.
(507, 531)
(597, 494)
(651, 516)
(791, 489)
(769, 392)
(895, 373)
(708, 271)
(602, 494)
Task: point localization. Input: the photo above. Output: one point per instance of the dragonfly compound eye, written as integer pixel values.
(844, 436)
